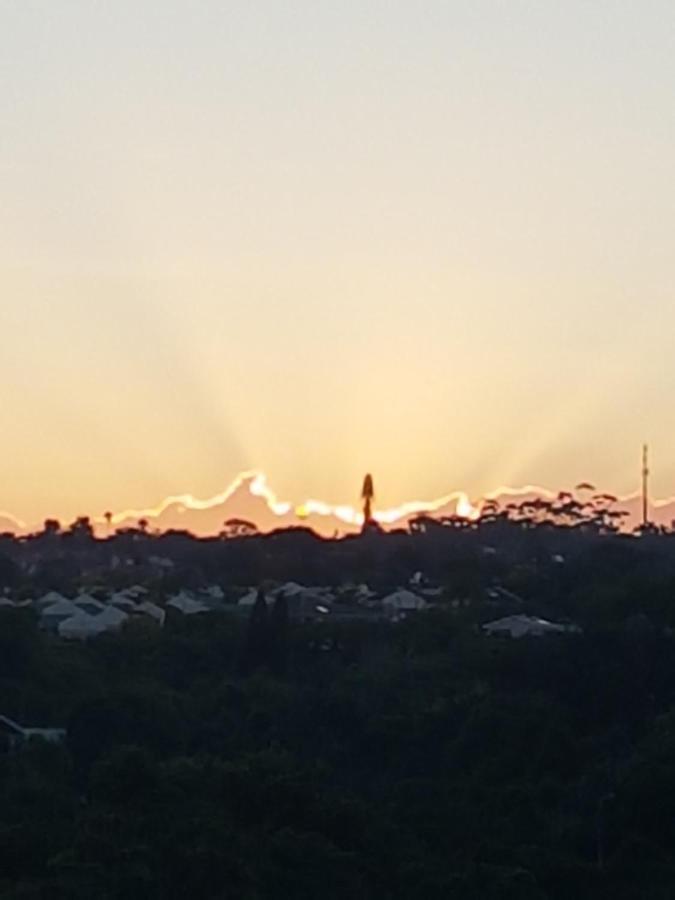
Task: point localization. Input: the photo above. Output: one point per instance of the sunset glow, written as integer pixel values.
(336, 423)
(320, 241)
(237, 502)
(256, 484)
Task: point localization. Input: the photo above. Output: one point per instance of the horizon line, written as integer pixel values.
(256, 480)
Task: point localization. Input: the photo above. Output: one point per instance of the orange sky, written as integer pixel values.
(432, 244)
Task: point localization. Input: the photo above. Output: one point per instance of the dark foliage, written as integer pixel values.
(225, 757)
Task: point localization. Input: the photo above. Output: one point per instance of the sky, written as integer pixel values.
(435, 242)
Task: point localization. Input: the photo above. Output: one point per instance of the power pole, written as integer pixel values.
(645, 485)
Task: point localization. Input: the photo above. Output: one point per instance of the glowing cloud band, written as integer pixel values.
(255, 482)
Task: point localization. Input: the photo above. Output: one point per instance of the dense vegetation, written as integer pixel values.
(223, 757)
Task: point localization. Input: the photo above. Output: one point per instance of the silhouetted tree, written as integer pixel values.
(81, 528)
(234, 528)
(51, 527)
(368, 495)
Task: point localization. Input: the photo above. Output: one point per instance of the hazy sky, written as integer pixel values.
(435, 241)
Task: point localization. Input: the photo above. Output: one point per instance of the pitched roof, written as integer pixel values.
(186, 604)
(403, 599)
(81, 626)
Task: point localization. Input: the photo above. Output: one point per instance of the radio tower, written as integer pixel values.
(645, 485)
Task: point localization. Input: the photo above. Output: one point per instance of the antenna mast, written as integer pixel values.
(645, 485)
